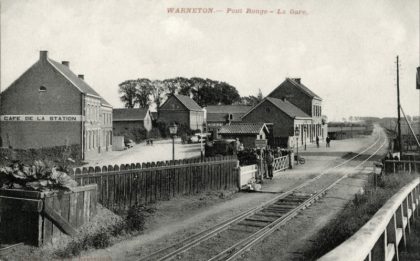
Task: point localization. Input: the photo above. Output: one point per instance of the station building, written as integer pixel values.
(49, 105)
(288, 107)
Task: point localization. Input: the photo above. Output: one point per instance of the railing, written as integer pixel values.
(381, 236)
(122, 187)
(401, 166)
(281, 163)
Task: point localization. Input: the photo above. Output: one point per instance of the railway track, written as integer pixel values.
(241, 232)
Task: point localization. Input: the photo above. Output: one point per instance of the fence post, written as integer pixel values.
(238, 168)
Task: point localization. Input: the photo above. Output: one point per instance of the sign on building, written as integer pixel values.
(42, 118)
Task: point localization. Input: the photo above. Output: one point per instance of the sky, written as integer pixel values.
(344, 51)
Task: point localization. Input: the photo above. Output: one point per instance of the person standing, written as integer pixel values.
(328, 141)
(317, 141)
(269, 161)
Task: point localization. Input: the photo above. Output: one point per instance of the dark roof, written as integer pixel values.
(287, 107)
(189, 103)
(303, 88)
(242, 128)
(219, 113)
(129, 114)
(222, 117)
(228, 108)
(76, 81)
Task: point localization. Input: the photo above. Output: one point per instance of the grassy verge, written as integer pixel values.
(356, 214)
(131, 224)
(413, 244)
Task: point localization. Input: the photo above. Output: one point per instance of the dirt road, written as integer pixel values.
(160, 151)
(179, 218)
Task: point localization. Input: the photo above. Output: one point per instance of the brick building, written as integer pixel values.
(295, 92)
(49, 105)
(183, 110)
(281, 117)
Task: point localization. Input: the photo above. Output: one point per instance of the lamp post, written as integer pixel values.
(173, 130)
(304, 130)
(297, 144)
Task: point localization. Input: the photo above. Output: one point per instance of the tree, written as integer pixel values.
(171, 86)
(249, 100)
(144, 90)
(158, 92)
(127, 91)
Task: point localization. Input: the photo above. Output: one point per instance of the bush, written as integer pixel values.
(53, 156)
(136, 218)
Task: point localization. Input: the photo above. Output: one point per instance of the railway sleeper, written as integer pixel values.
(286, 205)
(280, 207)
(258, 220)
(268, 215)
(291, 197)
(252, 224)
(290, 201)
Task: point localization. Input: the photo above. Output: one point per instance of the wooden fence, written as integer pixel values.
(120, 187)
(401, 166)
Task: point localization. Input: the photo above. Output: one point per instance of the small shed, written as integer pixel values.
(125, 120)
(247, 133)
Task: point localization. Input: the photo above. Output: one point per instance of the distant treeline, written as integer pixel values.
(143, 92)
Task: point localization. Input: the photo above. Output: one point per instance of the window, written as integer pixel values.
(42, 89)
(267, 109)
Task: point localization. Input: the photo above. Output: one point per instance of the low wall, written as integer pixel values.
(381, 236)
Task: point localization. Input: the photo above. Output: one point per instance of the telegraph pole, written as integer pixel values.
(398, 108)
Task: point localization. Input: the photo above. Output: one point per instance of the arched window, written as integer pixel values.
(42, 89)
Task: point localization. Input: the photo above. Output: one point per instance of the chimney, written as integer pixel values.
(81, 76)
(66, 63)
(297, 80)
(43, 55)
(284, 99)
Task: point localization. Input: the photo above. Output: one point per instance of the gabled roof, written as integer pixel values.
(288, 108)
(299, 85)
(223, 117)
(129, 114)
(283, 105)
(76, 81)
(218, 113)
(243, 128)
(189, 103)
(228, 108)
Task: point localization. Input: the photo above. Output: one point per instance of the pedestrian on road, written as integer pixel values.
(317, 141)
(269, 161)
(328, 141)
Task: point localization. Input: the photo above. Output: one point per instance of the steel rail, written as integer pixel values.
(210, 232)
(269, 229)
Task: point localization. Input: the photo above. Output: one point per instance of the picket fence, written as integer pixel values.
(120, 187)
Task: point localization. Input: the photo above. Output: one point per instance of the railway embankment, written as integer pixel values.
(356, 213)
